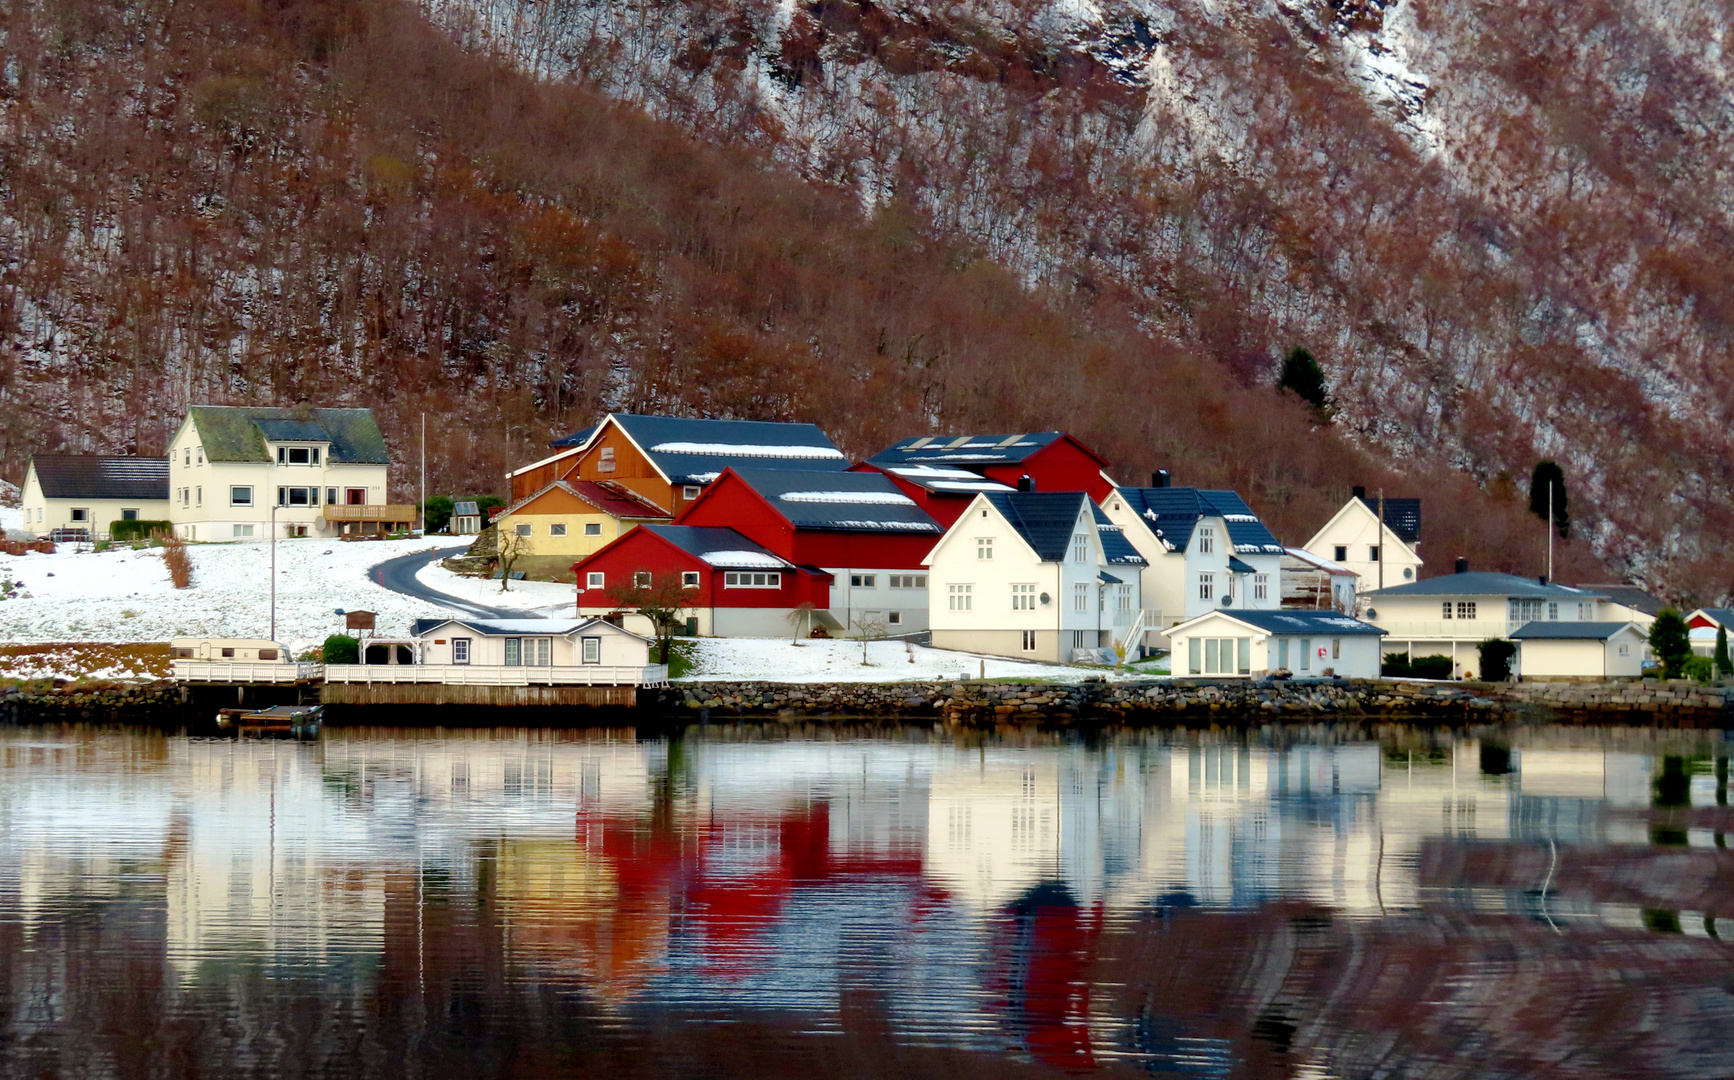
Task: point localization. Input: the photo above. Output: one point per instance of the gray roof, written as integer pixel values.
(1402, 516)
(1568, 631)
(1291, 621)
(1045, 519)
(238, 433)
(577, 438)
(1629, 596)
(713, 540)
(966, 450)
(695, 451)
(843, 501)
(88, 476)
(1483, 583)
(1172, 512)
(945, 479)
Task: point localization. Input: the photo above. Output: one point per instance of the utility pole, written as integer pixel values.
(1381, 538)
(1550, 530)
(273, 571)
(423, 515)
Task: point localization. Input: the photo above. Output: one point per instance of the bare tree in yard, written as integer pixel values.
(657, 597)
(509, 547)
(869, 627)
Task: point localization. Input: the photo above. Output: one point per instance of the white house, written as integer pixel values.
(1452, 614)
(1038, 575)
(515, 652)
(1579, 650)
(318, 472)
(1253, 644)
(79, 496)
(1380, 555)
(1203, 550)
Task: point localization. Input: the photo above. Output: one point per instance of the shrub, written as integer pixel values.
(341, 649)
(436, 513)
(1496, 657)
(1698, 668)
(1399, 666)
(176, 559)
(123, 531)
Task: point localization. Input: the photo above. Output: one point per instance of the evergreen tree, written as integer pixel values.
(1724, 665)
(1669, 642)
(1302, 374)
(1546, 471)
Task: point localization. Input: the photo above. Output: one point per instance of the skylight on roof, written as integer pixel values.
(866, 498)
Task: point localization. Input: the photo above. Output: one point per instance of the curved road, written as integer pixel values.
(398, 575)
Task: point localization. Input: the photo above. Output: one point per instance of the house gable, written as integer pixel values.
(1338, 526)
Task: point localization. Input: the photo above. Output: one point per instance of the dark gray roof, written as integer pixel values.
(577, 438)
(1402, 516)
(1173, 512)
(843, 501)
(945, 479)
(717, 543)
(964, 450)
(87, 476)
(1239, 567)
(1628, 595)
(1568, 631)
(1045, 519)
(238, 433)
(1292, 621)
(694, 451)
(1483, 583)
(465, 509)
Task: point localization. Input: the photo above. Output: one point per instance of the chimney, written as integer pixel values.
(1462, 566)
(1543, 579)
(1359, 491)
(1159, 478)
(1025, 483)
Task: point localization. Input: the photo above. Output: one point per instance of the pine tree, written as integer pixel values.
(1546, 472)
(1302, 374)
(1668, 640)
(1724, 665)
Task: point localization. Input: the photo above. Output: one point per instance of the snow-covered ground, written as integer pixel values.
(125, 595)
(779, 660)
(537, 599)
(11, 519)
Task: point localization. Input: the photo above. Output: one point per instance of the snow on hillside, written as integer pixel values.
(125, 595)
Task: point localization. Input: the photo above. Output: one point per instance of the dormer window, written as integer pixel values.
(297, 455)
(1206, 540)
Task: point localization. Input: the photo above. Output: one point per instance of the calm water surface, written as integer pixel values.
(1340, 901)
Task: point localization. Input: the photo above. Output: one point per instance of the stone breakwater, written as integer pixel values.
(1179, 700)
(102, 702)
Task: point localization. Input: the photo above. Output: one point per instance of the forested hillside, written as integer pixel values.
(210, 201)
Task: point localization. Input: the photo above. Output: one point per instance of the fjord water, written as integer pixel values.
(1334, 901)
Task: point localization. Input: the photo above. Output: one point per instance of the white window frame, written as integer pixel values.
(1206, 540)
(1261, 586)
(1340, 553)
(243, 532)
(1029, 641)
(1445, 609)
(1080, 597)
(460, 650)
(592, 528)
(1206, 586)
(984, 549)
(908, 581)
(689, 579)
(690, 492)
(960, 597)
(1466, 610)
(1080, 548)
(863, 581)
(894, 618)
(523, 528)
(1023, 597)
(81, 514)
(605, 459)
(557, 528)
(641, 579)
(594, 579)
(732, 579)
(237, 499)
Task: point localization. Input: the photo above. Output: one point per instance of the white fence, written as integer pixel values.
(491, 675)
(228, 671)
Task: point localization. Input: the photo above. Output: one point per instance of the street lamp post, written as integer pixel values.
(273, 571)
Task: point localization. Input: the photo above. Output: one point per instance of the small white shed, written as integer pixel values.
(1253, 644)
(529, 643)
(1579, 650)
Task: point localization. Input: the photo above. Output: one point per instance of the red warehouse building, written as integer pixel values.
(870, 537)
(737, 588)
(942, 473)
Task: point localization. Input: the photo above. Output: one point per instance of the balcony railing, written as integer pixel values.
(370, 512)
(1448, 629)
(225, 671)
(497, 675)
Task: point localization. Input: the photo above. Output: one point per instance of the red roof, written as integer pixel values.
(616, 501)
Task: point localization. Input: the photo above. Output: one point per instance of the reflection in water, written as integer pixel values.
(1339, 901)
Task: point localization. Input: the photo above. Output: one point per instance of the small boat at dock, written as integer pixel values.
(301, 722)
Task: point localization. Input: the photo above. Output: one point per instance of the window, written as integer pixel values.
(187, 458)
(1583, 612)
(1124, 602)
(863, 581)
(228, 654)
(688, 579)
(355, 496)
(1373, 553)
(330, 495)
(1080, 548)
(1625, 650)
(297, 455)
(690, 492)
(1336, 648)
(1341, 553)
(1029, 641)
(1078, 639)
(1552, 610)
(960, 597)
(243, 532)
(1206, 540)
(591, 650)
(129, 515)
(1206, 586)
(1466, 609)
(296, 496)
(984, 547)
(1282, 653)
(1023, 597)
(733, 580)
(528, 652)
(1219, 656)
(592, 528)
(593, 579)
(201, 451)
(199, 495)
(522, 530)
(1261, 586)
(183, 497)
(267, 654)
(240, 496)
(557, 529)
(460, 650)
(641, 579)
(908, 581)
(81, 513)
(894, 618)
(1445, 610)
(1080, 596)
(1306, 654)
(605, 459)
(514, 652)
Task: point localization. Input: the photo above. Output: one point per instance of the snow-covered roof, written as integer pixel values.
(1319, 562)
(517, 627)
(717, 546)
(695, 451)
(1173, 512)
(848, 501)
(743, 560)
(1285, 621)
(1047, 519)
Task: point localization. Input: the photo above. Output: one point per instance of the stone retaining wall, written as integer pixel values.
(104, 702)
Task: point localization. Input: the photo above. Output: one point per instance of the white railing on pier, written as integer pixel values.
(229, 671)
(493, 675)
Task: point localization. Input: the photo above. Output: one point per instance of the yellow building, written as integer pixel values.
(570, 519)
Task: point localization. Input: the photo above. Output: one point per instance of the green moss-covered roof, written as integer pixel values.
(234, 433)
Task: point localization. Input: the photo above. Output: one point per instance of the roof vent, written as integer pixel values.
(1159, 478)
(1026, 483)
(1462, 566)
(1543, 579)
